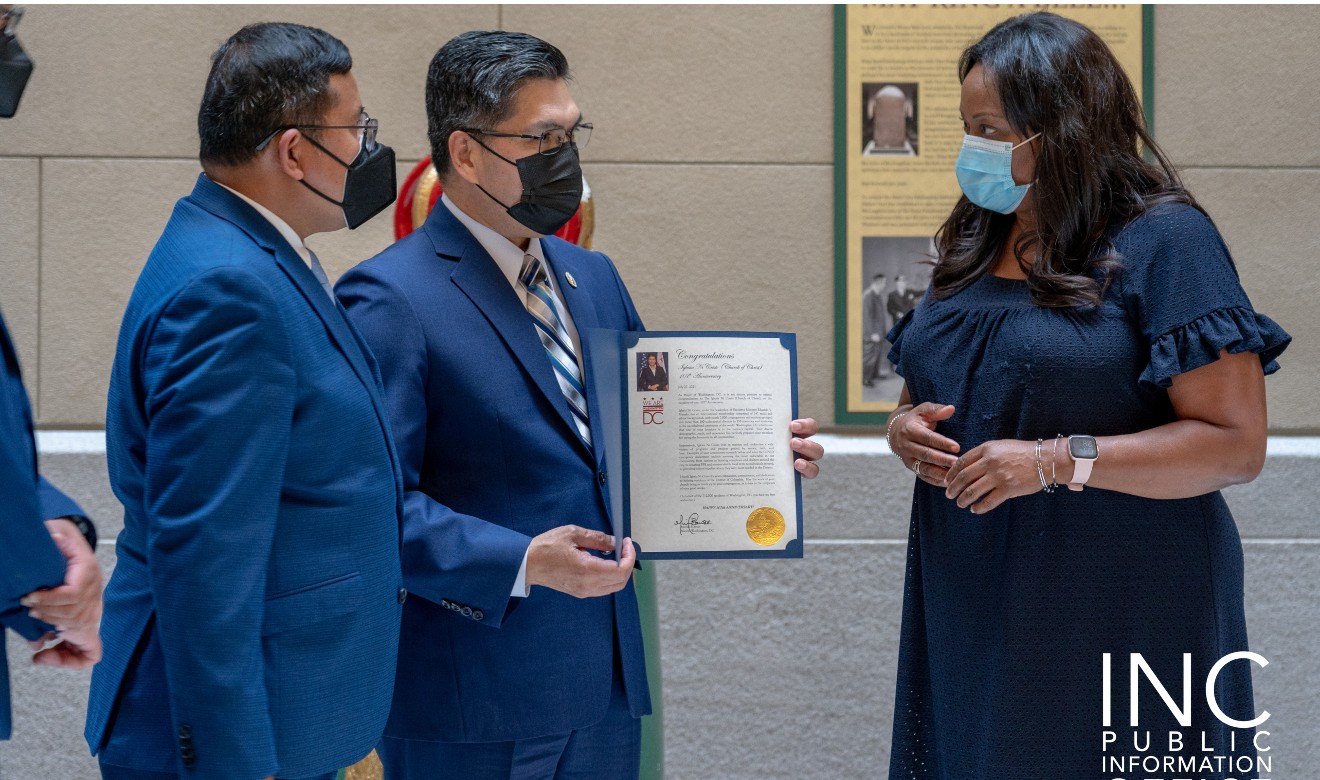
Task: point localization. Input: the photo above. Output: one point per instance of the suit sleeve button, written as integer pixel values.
(403, 595)
(478, 614)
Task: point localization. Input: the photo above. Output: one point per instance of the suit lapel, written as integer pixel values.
(226, 205)
(293, 266)
(481, 280)
(345, 336)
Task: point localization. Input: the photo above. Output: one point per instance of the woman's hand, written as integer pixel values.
(806, 453)
(988, 475)
(913, 438)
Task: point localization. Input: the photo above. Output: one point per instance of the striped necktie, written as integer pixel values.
(546, 311)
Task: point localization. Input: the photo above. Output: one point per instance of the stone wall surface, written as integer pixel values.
(713, 173)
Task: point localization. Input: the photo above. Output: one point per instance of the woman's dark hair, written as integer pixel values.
(1057, 78)
(473, 80)
(266, 76)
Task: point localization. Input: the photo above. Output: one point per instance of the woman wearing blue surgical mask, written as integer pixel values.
(1083, 376)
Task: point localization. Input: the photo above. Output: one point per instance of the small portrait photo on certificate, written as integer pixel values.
(652, 373)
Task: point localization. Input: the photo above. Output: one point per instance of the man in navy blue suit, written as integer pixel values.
(56, 557)
(251, 624)
(523, 656)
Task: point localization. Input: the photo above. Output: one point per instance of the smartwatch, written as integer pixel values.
(1084, 452)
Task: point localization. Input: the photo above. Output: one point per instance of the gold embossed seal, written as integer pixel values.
(765, 526)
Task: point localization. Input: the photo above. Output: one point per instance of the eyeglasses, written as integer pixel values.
(547, 142)
(368, 128)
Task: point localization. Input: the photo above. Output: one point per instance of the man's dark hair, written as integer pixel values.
(266, 76)
(473, 80)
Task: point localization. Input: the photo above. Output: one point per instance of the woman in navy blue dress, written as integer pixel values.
(1083, 376)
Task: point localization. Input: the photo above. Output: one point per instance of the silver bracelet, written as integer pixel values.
(1054, 477)
(1040, 469)
(889, 429)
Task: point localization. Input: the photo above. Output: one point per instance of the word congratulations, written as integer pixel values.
(683, 354)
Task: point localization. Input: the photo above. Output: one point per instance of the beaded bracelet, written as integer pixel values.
(889, 429)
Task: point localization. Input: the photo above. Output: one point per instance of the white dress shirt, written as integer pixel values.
(509, 258)
(289, 234)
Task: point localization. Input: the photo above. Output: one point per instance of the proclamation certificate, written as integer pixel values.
(697, 426)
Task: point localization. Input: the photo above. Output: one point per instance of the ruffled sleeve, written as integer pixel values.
(1198, 343)
(1180, 284)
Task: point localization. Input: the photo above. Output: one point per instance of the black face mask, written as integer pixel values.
(552, 188)
(369, 186)
(15, 69)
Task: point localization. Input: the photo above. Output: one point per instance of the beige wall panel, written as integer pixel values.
(93, 248)
(1268, 219)
(19, 275)
(720, 247)
(126, 80)
(697, 83)
(1234, 84)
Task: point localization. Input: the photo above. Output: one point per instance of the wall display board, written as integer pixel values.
(897, 136)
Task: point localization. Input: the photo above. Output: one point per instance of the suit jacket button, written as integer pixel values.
(403, 595)
(601, 477)
(478, 614)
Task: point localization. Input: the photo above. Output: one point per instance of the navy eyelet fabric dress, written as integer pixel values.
(1006, 615)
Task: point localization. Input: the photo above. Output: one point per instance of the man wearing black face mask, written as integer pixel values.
(475, 319)
(251, 624)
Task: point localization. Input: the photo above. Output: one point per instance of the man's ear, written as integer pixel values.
(289, 148)
(461, 151)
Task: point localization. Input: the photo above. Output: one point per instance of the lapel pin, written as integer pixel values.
(571, 281)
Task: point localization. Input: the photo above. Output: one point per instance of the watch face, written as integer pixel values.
(1083, 447)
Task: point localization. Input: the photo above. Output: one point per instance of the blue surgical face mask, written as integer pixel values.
(985, 173)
